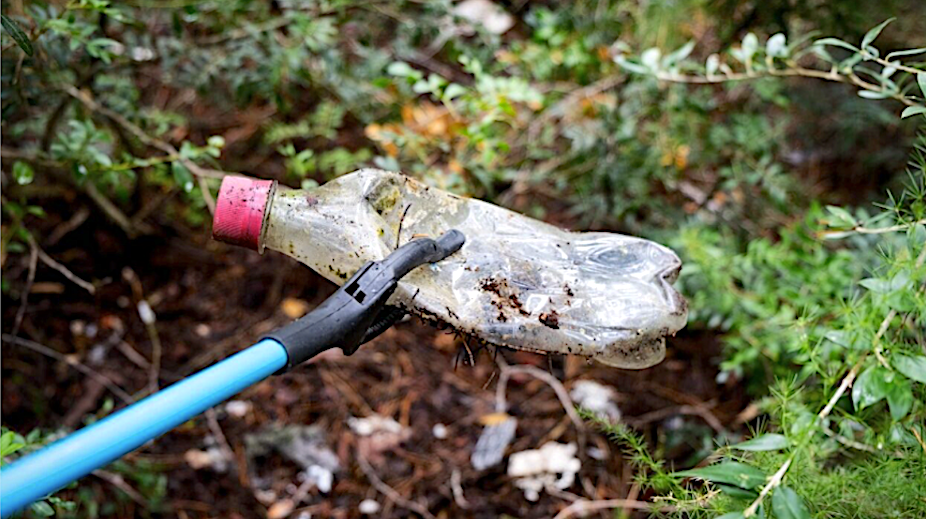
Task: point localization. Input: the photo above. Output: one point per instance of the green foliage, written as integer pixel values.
(146, 478)
(877, 77)
(11, 444)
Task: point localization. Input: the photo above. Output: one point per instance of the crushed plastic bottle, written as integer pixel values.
(517, 282)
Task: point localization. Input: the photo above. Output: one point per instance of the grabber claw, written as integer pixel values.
(357, 312)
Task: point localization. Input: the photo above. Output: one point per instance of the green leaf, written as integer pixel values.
(835, 42)
(899, 398)
(900, 280)
(15, 31)
(921, 79)
(650, 58)
(870, 388)
(42, 509)
(182, 176)
(737, 492)
(765, 442)
(910, 111)
(912, 367)
(680, 54)
(216, 141)
(776, 46)
(841, 214)
(402, 69)
(880, 286)
(22, 173)
(732, 515)
(8, 444)
(750, 45)
(909, 52)
(868, 94)
(873, 33)
(731, 473)
(453, 91)
(788, 505)
(631, 66)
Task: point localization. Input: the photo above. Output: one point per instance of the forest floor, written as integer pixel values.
(211, 300)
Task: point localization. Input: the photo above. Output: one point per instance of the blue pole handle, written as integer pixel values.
(43, 472)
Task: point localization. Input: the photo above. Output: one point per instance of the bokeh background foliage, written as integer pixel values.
(773, 144)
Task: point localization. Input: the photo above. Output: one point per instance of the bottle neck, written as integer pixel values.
(321, 229)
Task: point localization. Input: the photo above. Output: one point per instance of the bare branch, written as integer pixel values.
(74, 363)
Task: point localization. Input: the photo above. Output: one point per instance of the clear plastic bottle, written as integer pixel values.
(517, 282)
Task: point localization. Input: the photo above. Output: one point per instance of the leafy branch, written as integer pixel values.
(777, 58)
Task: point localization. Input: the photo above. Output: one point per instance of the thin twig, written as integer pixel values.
(563, 395)
(666, 412)
(74, 363)
(140, 134)
(48, 260)
(67, 227)
(582, 506)
(119, 482)
(133, 355)
(772, 483)
(149, 319)
(390, 492)
(114, 213)
(577, 95)
(456, 485)
(207, 195)
(30, 278)
(919, 438)
(219, 435)
(847, 441)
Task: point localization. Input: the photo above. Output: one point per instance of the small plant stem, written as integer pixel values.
(48, 260)
(831, 75)
(878, 230)
(893, 64)
(772, 483)
(918, 438)
(583, 506)
(30, 278)
(557, 386)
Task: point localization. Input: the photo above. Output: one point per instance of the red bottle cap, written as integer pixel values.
(239, 210)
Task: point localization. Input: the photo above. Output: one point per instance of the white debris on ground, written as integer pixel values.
(238, 408)
(368, 507)
(496, 436)
(595, 453)
(378, 434)
(439, 431)
(597, 398)
(374, 424)
(486, 14)
(145, 313)
(552, 466)
(213, 458)
(303, 444)
(320, 477)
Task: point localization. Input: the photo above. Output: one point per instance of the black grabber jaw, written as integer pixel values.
(357, 312)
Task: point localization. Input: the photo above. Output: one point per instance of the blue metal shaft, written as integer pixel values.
(38, 474)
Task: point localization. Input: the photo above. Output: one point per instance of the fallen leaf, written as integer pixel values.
(294, 308)
(281, 509)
